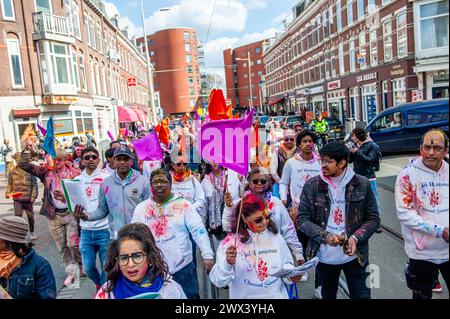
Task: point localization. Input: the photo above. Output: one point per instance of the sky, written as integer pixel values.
(233, 23)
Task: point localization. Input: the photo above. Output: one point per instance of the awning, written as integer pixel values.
(20, 113)
(127, 114)
(140, 113)
(277, 101)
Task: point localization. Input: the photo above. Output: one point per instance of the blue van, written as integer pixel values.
(401, 128)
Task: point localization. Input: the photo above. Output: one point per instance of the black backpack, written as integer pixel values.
(376, 165)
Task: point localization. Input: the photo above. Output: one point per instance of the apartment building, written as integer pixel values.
(176, 56)
(67, 59)
(348, 58)
(240, 75)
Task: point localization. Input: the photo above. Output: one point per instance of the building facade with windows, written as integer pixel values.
(431, 26)
(175, 56)
(348, 58)
(239, 74)
(66, 59)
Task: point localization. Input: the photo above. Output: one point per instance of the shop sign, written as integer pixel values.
(416, 96)
(132, 82)
(311, 91)
(367, 77)
(60, 99)
(397, 70)
(334, 85)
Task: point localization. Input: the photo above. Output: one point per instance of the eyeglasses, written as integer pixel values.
(327, 162)
(138, 258)
(181, 164)
(258, 220)
(289, 139)
(436, 148)
(88, 157)
(256, 181)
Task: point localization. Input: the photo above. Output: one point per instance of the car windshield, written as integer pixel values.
(263, 119)
(278, 119)
(332, 121)
(294, 119)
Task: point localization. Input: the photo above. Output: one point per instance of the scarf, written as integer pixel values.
(126, 289)
(215, 207)
(53, 178)
(8, 262)
(288, 153)
(181, 177)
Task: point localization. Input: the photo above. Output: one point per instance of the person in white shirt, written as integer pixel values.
(245, 262)
(259, 184)
(422, 202)
(94, 237)
(172, 219)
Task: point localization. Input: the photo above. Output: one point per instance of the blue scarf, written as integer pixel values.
(126, 289)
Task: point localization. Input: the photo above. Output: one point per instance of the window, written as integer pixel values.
(339, 16)
(258, 61)
(402, 36)
(420, 117)
(373, 47)
(105, 88)
(152, 53)
(325, 24)
(188, 58)
(191, 80)
(385, 1)
(341, 59)
(371, 6)
(75, 73)
(187, 37)
(360, 8)
(91, 71)
(86, 30)
(69, 17)
(388, 122)
(76, 20)
(15, 63)
(362, 50)
(99, 37)
(44, 67)
(61, 63)
(387, 40)
(349, 12)
(258, 50)
(44, 6)
(92, 32)
(245, 75)
(82, 72)
(8, 10)
(434, 25)
(260, 73)
(333, 63)
(399, 89)
(352, 55)
(244, 65)
(330, 19)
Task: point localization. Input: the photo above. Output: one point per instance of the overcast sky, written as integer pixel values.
(234, 22)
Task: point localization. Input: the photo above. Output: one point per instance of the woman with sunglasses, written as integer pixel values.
(245, 262)
(259, 185)
(136, 268)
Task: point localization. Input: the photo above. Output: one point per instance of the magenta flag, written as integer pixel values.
(228, 142)
(111, 136)
(42, 129)
(148, 148)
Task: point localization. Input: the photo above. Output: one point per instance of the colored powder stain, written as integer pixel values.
(106, 190)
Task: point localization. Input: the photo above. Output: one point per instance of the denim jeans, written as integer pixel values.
(373, 185)
(355, 274)
(188, 280)
(421, 277)
(91, 243)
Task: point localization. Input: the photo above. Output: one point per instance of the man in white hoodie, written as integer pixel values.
(94, 236)
(422, 201)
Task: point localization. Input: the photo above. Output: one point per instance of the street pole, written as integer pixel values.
(149, 69)
(250, 81)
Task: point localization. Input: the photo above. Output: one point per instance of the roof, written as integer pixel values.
(415, 105)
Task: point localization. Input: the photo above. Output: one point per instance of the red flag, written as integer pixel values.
(218, 109)
(163, 131)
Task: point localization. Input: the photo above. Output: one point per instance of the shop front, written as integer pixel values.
(336, 101)
(25, 128)
(315, 101)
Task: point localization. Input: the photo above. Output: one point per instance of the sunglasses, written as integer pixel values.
(258, 220)
(181, 164)
(289, 139)
(256, 181)
(88, 157)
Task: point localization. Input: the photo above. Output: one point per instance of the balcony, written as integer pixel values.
(51, 27)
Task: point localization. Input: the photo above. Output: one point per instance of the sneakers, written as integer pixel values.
(318, 292)
(437, 287)
(304, 278)
(33, 236)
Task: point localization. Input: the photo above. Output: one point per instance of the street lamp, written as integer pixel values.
(249, 76)
(149, 70)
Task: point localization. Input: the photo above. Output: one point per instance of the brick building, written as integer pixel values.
(237, 74)
(175, 55)
(348, 58)
(66, 59)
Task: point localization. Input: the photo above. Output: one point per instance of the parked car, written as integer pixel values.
(269, 123)
(401, 128)
(263, 120)
(289, 121)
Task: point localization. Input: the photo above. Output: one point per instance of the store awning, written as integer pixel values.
(127, 114)
(276, 101)
(140, 113)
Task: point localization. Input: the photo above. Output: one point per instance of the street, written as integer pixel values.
(387, 256)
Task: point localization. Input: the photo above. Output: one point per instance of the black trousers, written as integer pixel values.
(421, 277)
(355, 275)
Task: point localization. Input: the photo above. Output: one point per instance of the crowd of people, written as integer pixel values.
(145, 220)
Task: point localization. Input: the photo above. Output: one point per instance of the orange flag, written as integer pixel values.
(163, 131)
(218, 109)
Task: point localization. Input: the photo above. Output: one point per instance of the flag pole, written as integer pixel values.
(239, 221)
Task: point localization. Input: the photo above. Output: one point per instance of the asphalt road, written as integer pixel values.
(387, 255)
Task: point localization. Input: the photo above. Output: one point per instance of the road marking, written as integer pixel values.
(391, 166)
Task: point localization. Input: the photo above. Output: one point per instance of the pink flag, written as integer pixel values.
(148, 148)
(126, 133)
(228, 142)
(42, 129)
(111, 136)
